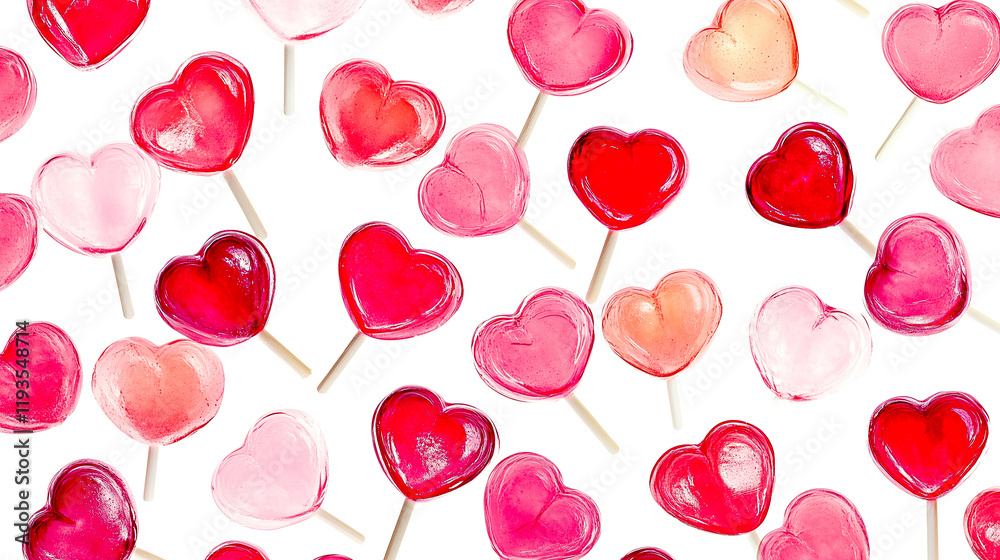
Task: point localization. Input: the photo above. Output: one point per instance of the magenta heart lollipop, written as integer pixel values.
(18, 237)
(981, 520)
(964, 167)
(235, 550)
(820, 525)
(647, 554)
(41, 360)
(17, 93)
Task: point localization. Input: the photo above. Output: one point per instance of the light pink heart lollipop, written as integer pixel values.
(435, 8)
(18, 237)
(97, 205)
(964, 166)
(158, 395)
(819, 525)
(804, 348)
(278, 476)
(17, 93)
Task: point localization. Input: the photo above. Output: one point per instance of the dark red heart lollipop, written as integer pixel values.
(41, 360)
(87, 34)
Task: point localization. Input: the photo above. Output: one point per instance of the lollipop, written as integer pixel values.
(41, 367)
(391, 290)
(662, 332)
(158, 395)
(98, 205)
(532, 515)
(624, 180)
(981, 518)
(235, 550)
(928, 447)
(87, 34)
(18, 237)
(963, 166)
(563, 48)
(222, 296)
(428, 447)
(821, 525)
(17, 92)
(647, 554)
(199, 122)
(540, 352)
(481, 188)
(295, 21)
(940, 53)
(434, 8)
(278, 476)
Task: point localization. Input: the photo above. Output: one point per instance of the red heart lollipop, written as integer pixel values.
(88, 34)
(647, 554)
(234, 550)
(928, 447)
(42, 360)
(723, 485)
(981, 520)
(18, 237)
(807, 180)
(17, 93)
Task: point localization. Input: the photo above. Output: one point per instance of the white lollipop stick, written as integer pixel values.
(754, 540)
(289, 80)
(241, 198)
(284, 353)
(122, 281)
(529, 125)
(547, 243)
(858, 9)
(339, 525)
(400, 530)
(603, 264)
(152, 459)
(674, 395)
(592, 423)
(341, 363)
(815, 92)
(899, 123)
(932, 530)
(144, 554)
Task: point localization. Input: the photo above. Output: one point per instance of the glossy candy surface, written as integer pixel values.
(18, 237)
(965, 168)
(88, 33)
(54, 373)
(819, 525)
(18, 91)
(300, 20)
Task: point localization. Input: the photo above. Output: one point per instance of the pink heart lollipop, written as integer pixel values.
(819, 525)
(39, 358)
(647, 554)
(97, 205)
(964, 167)
(278, 476)
(158, 395)
(919, 282)
(17, 92)
(88, 34)
(981, 519)
(434, 8)
(18, 237)
(234, 550)
(804, 348)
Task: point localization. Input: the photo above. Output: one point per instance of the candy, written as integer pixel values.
(806, 181)
(18, 237)
(805, 349)
(54, 374)
(563, 48)
(964, 167)
(722, 485)
(928, 447)
(300, 20)
(981, 518)
(919, 282)
(647, 554)
(819, 525)
(88, 515)
(532, 515)
(234, 550)
(88, 34)
(371, 120)
(748, 53)
(438, 7)
(17, 92)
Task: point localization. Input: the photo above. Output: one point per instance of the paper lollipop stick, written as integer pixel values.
(88, 35)
(428, 448)
(940, 53)
(855, 7)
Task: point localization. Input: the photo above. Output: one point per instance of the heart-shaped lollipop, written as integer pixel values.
(820, 525)
(41, 359)
(804, 348)
(722, 485)
(806, 181)
(919, 282)
(928, 447)
(235, 550)
(88, 34)
(371, 120)
(301, 20)
(647, 554)
(981, 520)
(18, 237)
(941, 53)
(482, 186)
(436, 8)
(563, 48)
(531, 514)
(964, 166)
(748, 53)
(17, 92)
(88, 515)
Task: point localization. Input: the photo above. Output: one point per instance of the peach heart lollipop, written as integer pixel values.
(663, 331)
(158, 395)
(97, 205)
(41, 367)
(540, 352)
(17, 93)
(18, 237)
(819, 524)
(278, 476)
(964, 167)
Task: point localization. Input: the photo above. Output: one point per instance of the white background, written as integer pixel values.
(309, 203)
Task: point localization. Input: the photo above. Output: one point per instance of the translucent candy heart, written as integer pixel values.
(819, 525)
(278, 476)
(17, 92)
(981, 520)
(928, 447)
(804, 348)
(436, 8)
(722, 485)
(941, 53)
(97, 205)
(662, 331)
(54, 375)
(158, 395)
(199, 121)
(222, 296)
(964, 166)
(482, 186)
(234, 550)
(88, 33)
(428, 447)
(532, 515)
(807, 181)
(18, 237)
(371, 120)
(647, 554)
(300, 20)
(919, 282)
(539, 352)
(563, 48)
(625, 179)
(393, 291)
(748, 53)
(88, 515)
